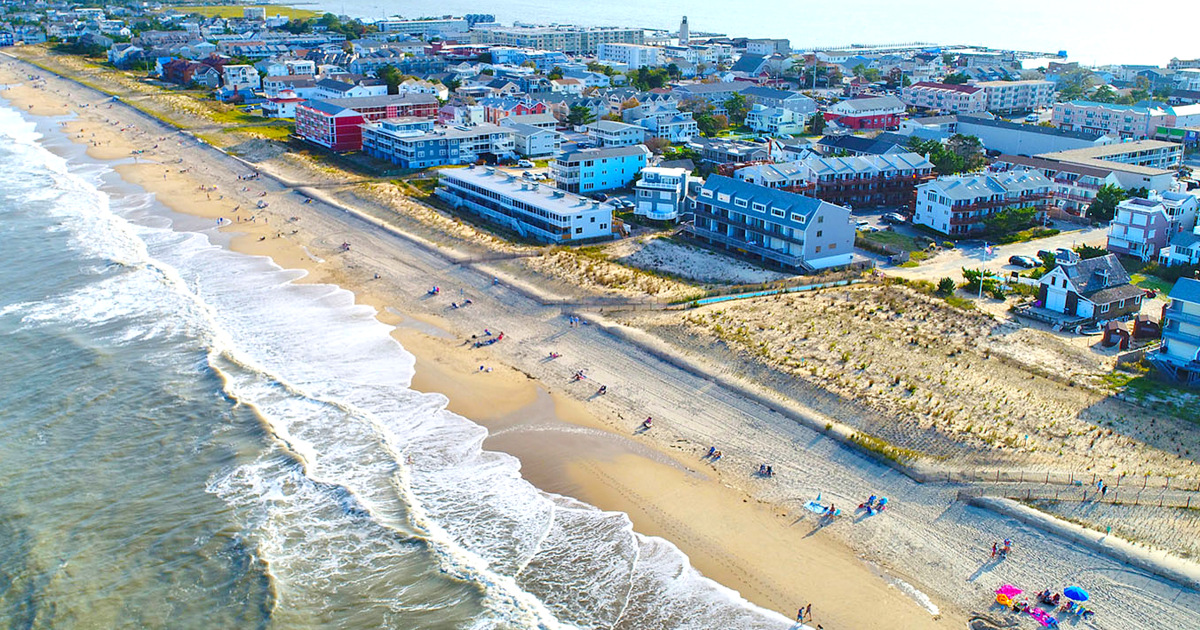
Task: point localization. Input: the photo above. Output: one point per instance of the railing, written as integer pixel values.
(1177, 314)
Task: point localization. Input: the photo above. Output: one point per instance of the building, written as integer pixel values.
(1149, 153)
(300, 85)
(330, 89)
(531, 141)
(449, 27)
(1179, 355)
(854, 182)
(661, 193)
(770, 97)
(778, 228)
(775, 121)
(721, 151)
(335, 127)
(768, 47)
(562, 38)
(610, 133)
(282, 105)
(241, 77)
(593, 170)
(633, 55)
(1007, 97)
(1124, 121)
(945, 97)
(530, 209)
(1075, 186)
(1013, 138)
(417, 143)
(1096, 289)
(683, 31)
(670, 123)
(714, 93)
(882, 144)
(1140, 228)
(958, 205)
(496, 109)
(873, 112)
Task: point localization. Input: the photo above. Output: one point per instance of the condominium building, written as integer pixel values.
(610, 133)
(945, 97)
(592, 170)
(417, 143)
(859, 182)
(528, 208)
(1139, 228)
(959, 204)
(563, 38)
(1125, 121)
(775, 227)
(1155, 154)
(336, 124)
(1179, 355)
(1075, 185)
(1003, 136)
(661, 193)
(1006, 97)
(425, 28)
(633, 55)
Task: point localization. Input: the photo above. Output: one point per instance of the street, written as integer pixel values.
(971, 254)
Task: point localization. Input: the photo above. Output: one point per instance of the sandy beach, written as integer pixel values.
(922, 564)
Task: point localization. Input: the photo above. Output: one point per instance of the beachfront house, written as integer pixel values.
(661, 193)
(528, 208)
(957, 205)
(1095, 289)
(416, 143)
(1179, 355)
(589, 171)
(774, 227)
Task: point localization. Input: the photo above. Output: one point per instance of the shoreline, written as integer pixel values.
(655, 488)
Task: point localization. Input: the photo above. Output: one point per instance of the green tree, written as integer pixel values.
(1009, 221)
(485, 57)
(1162, 94)
(391, 76)
(673, 71)
(1075, 83)
(1104, 206)
(859, 70)
(968, 149)
(958, 78)
(816, 124)
(737, 106)
(710, 125)
(580, 115)
(595, 66)
(946, 287)
(1104, 94)
(555, 73)
(1087, 251)
(872, 74)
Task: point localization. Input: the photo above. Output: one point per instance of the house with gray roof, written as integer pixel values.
(1095, 289)
(1179, 355)
(958, 205)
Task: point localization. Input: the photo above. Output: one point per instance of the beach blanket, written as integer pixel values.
(819, 508)
(1042, 618)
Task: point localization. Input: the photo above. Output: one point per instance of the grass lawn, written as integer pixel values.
(895, 239)
(235, 10)
(1151, 282)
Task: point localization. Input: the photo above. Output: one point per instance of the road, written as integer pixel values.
(971, 254)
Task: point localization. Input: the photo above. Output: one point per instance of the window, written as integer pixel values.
(798, 218)
(603, 226)
(818, 249)
(776, 212)
(579, 230)
(1103, 308)
(593, 219)
(819, 232)
(723, 197)
(741, 203)
(706, 193)
(760, 207)
(821, 219)
(833, 246)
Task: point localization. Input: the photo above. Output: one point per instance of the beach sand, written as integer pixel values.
(750, 535)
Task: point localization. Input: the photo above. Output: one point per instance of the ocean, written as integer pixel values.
(190, 440)
(1090, 31)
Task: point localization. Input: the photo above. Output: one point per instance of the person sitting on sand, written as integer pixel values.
(711, 450)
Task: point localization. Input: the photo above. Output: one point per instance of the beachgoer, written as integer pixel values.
(808, 611)
(711, 450)
(770, 471)
(994, 549)
(1104, 491)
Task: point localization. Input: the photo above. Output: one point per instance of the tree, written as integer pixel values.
(673, 71)
(1104, 94)
(859, 70)
(833, 77)
(555, 73)
(1162, 94)
(1075, 83)
(958, 78)
(737, 106)
(895, 77)
(485, 57)
(1088, 251)
(657, 145)
(816, 124)
(1140, 192)
(947, 59)
(1104, 206)
(1010, 221)
(969, 149)
(872, 74)
(646, 79)
(1049, 261)
(580, 115)
(710, 125)
(391, 76)
(695, 104)
(991, 284)
(596, 66)
(946, 287)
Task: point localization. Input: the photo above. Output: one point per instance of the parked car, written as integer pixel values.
(524, 164)
(1028, 262)
(600, 196)
(861, 224)
(1042, 253)
(1032, 118)
(894, 218)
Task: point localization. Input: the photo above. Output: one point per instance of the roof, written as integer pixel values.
(868, 163)
(1186, 289)
(760, 91)
(612, 125)
(327, 107)
(1088, 278)
(684, 164)
(872, 102)
(708, 88)
(606, 152)
(997, 123)
(748, 63)
(528, 130)
(1140, 109)
(532, 119)
(390, 99)
(553, 200)
(859, 144)
(964, 88)
(791, 203)
(1044, 164)
(974, 186)
(1108, 150)
(334, 85)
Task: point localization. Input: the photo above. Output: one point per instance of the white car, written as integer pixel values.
(524, 164)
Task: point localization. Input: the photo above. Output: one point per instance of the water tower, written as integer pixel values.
(683, 32)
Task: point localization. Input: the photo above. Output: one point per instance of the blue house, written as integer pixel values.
(592, 170)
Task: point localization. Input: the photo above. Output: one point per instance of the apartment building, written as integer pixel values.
(945, 97)
(1004, 136)
(775, 227)
(670, 123)
(610, 133)
(450, 28)
(1139, 228)
(957, 205)
(1179, 355)
(775, 121)
(1124, 121)
(336, 125)
(875, 112)
(1007, 97)
(633, 55)
(1075, 185)
(418, 143)
(661, 193)
(528, 208)
(562, 38)
(593, 170)
(855, 182)
(1151, 154)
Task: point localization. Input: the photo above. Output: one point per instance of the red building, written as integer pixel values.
(870, 112)
(335, 124)
(497, 108)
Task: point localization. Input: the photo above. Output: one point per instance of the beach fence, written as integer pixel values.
(1065, 478)
(1135, 496)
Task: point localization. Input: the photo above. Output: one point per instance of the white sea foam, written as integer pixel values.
(332, 385)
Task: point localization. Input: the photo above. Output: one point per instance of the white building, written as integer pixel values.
(670, 123)
(445, 27)
(1017, 96)
(532, 142)
(661, 193)
(542, 212)
(632, 55)
(1179, 355)
(241, 77)
(610, 133)
(775, 121)
(959, 204)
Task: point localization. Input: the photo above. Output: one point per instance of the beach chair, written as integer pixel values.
(1004, 600)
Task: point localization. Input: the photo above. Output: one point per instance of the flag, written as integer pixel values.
(988, 249)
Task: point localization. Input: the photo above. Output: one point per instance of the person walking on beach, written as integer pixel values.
(1103, 491)
(993, 549)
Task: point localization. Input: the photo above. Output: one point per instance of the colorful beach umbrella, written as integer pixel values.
(1076, 593)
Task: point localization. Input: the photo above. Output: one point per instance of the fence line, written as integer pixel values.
(1126, 496)
(1067, 478)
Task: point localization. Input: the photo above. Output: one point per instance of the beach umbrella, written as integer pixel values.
(1076, 593)
(1009, 590)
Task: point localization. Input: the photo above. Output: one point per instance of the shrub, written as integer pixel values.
(946, 286)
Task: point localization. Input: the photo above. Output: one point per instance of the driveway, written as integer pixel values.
(971, 254)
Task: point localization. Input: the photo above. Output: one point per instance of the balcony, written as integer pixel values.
(1177, 314)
